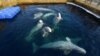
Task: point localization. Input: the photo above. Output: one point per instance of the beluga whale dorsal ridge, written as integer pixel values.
(66, 46)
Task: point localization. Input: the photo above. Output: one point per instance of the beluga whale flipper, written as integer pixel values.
(66, 46)
(46, 30)
(34, 30)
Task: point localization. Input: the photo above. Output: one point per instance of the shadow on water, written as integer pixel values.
(76, 24)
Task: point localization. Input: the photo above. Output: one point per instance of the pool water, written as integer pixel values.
(76, 23)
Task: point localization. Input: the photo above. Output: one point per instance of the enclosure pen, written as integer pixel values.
(49, 27)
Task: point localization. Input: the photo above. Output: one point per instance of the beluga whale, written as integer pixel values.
(66, 46)
(38, 15)
(46, 31)
(58, 19)
(45, 9)
(45, 16)
(34, 30)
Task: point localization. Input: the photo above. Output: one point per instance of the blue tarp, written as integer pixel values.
(9, 13)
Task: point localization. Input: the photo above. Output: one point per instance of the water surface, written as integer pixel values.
(76, 23)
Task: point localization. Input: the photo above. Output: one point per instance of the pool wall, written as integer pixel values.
(88, 11)
(5, 3)
(90, 3)
(90, 6)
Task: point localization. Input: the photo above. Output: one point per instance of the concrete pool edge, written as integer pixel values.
(88, 11)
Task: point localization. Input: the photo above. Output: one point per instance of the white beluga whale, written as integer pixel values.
(45, 16)
(34, 30)
(38, 15)
(46, 30)
(66, 46)
(45, 9)
(58, 19)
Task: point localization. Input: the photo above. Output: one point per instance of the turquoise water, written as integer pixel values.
(76, 23)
